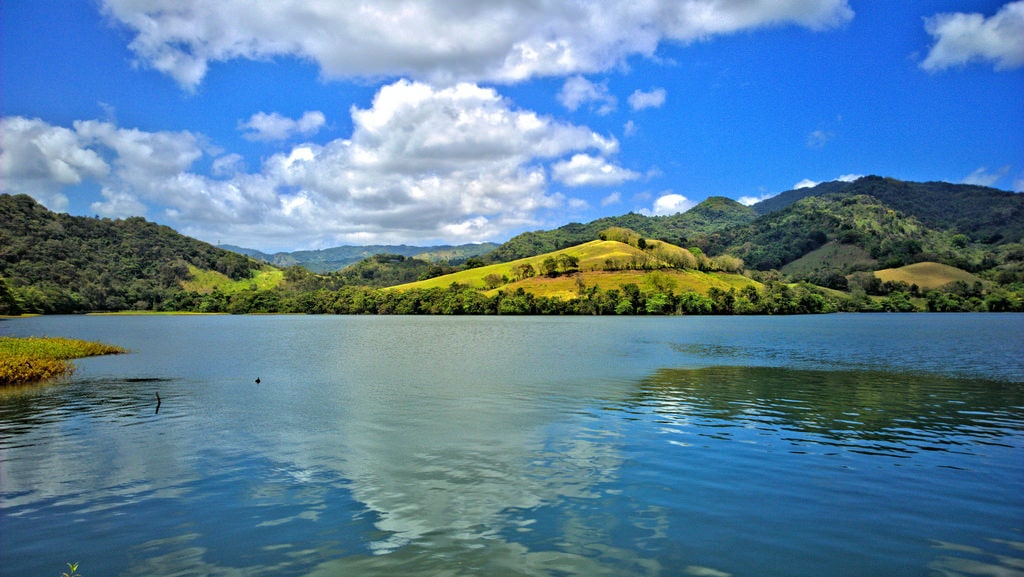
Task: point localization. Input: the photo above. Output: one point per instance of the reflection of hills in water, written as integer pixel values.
(865, 411)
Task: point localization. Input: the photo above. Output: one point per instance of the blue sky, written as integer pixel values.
(284, 126)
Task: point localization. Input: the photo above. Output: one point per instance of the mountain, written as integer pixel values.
(983, 214)
(888, 238)
(59, 263)
(713, 214)
(337, 258)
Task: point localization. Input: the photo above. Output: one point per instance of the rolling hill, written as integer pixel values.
(607, 264)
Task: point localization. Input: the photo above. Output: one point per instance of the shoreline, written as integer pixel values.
(29, 360)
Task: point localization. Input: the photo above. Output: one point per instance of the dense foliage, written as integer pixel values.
(891, 238)
(985, 215)
(53, 262)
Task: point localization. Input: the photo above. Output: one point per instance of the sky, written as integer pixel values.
(284, 125)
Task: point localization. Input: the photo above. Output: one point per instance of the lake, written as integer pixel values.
(860, 445)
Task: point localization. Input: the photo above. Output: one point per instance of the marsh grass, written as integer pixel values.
(31, 359)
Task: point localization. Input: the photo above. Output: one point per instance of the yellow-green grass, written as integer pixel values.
(926, 275)
(567, 287)
(592, 256)
(29, 359)
(593, 259)
(206, 281)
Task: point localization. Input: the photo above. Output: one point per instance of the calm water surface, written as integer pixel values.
(861, 445)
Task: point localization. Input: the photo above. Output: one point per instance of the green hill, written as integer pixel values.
(927, 275)
(713, 214)
(608, 264)
(983, 214)
(57, 263)
(885, 236)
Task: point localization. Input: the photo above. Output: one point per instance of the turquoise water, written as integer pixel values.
(713, 446)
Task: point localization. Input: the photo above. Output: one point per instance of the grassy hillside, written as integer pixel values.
(831, 256)
(713, 214)
(607, 264)
(926, 275)
(680, 281)
(206, 281)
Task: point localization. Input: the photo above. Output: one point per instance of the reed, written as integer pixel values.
(31, 359)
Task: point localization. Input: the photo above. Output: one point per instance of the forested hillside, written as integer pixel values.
(59, 263)
(888, 236)
(983, 214)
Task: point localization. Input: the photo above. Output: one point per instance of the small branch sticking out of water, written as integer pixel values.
(157, 412)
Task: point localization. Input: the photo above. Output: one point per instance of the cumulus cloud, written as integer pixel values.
(586, 170)
(273, 126)
(422, 163)
(653, 99)
(441, 41)
(961, 38)
(577, 91)
(669, 203)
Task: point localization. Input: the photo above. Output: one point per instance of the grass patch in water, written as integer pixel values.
(31, 359)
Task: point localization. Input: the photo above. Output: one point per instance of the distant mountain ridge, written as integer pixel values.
(984, 214)
(339, 257)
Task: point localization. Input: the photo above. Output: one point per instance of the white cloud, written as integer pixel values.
(653, 99)
(577, 91)
(443, 42)
(808, 183)
(613, 198)
(422, 163)
(752, 200)
(982, 176)
(669, 203)
(819, 138)
(38, 157)
(961, 38)
(273, 126)
(629, 129)
(587, 170)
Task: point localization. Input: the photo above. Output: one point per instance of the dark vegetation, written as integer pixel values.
(810, 250)
(56, 263)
